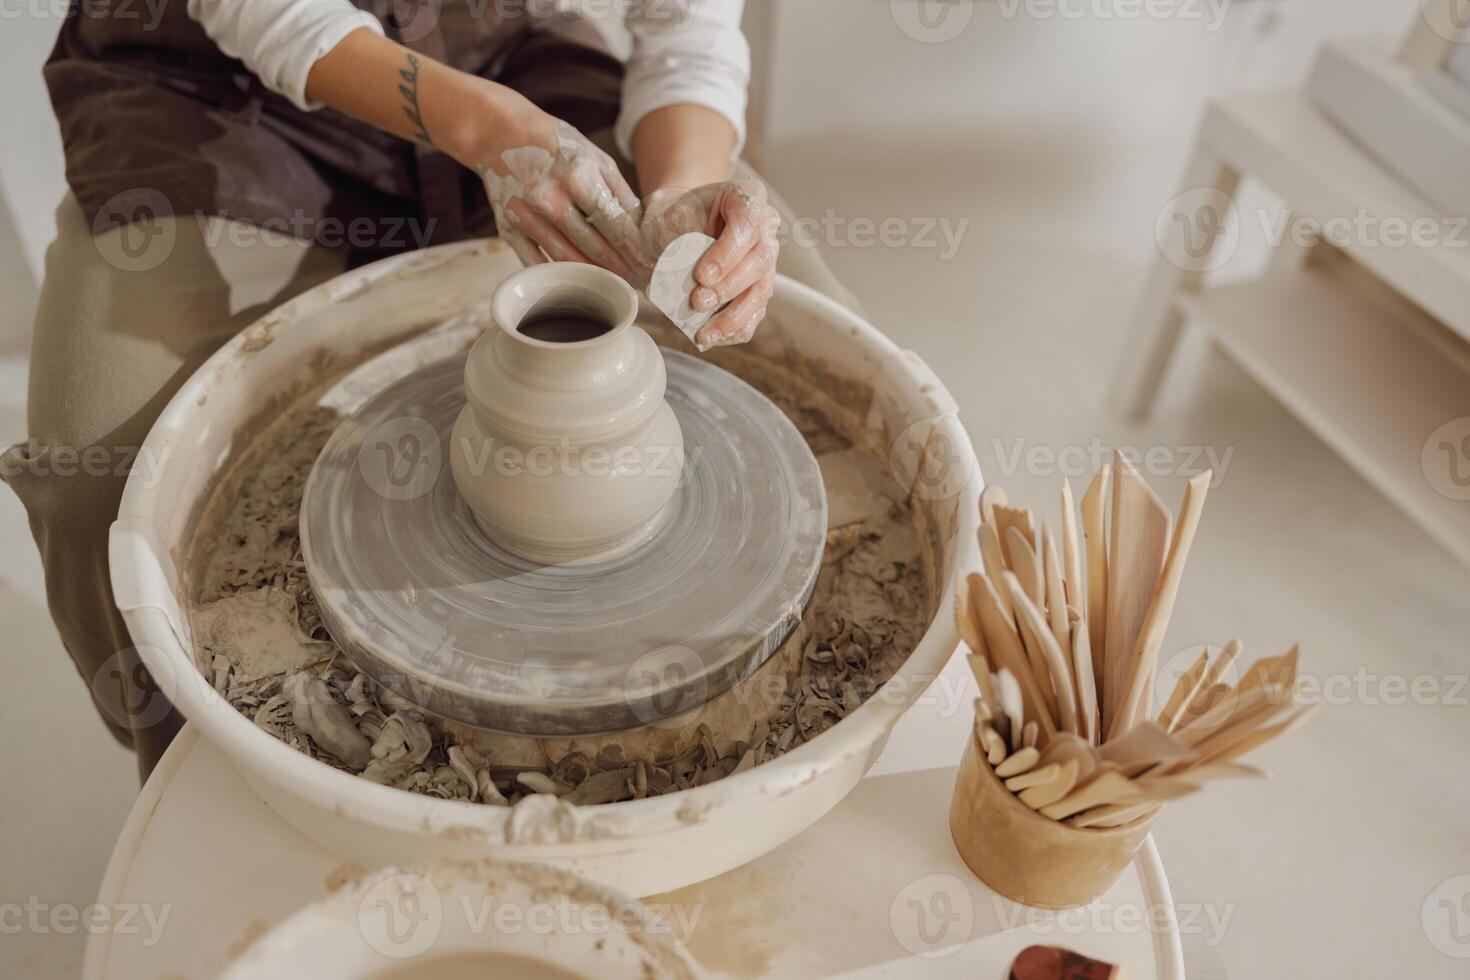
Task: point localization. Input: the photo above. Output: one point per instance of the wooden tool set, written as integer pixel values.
(1066, 663)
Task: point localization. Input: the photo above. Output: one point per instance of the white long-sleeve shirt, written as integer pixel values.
(682, 51)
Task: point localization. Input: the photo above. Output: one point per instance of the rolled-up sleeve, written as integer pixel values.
(279, 40)
(685, 51)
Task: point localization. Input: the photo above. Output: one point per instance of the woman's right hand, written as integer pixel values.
(556, 195)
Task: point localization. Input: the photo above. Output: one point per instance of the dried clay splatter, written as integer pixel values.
(262, 644)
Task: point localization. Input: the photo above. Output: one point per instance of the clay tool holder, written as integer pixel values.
(1071, 759)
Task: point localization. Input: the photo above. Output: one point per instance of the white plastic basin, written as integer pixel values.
(642, 846)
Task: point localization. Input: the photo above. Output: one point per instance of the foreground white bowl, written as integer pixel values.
(641, 846)
(483, 919)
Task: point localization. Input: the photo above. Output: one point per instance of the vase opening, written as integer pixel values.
(556, 324)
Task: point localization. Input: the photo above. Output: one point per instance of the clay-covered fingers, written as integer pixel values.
(736, 323)
(603, 200)
(745, 220)
(554, 201)
(758, 264)
(526, 250)
(537, 227)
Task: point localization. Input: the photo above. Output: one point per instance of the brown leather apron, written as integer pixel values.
(147, 103)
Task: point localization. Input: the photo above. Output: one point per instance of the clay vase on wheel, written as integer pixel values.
(565, 449)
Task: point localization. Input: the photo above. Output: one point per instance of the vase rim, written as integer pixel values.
(524, 291)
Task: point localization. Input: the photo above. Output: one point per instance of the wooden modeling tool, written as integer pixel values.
(1066, 747)
(994, 562)
(1040, 774)
(1094, 504)
(1138, 541)
(1087, 716)
(1008, 697)
(990, 497)
(1071, 551)
(1107, 787)
(1056, 597)
(1026, 566)
(1038, 635)
(1018, 762)
(1056, 786)
(1007, 518)
(1145, 655)
(1000, 637)
(1031, 735)
(1184, 690)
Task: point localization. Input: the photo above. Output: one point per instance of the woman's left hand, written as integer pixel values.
(739, 268)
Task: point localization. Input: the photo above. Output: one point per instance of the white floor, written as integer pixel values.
(1323, 872)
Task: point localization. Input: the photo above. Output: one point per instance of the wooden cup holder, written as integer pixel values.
(1029, 858)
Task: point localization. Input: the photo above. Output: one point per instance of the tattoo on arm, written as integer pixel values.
(408, 87)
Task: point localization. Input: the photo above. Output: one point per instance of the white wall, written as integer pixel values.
(32, 177)
(1020, 89)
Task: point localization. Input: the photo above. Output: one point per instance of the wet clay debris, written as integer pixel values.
(260, 641)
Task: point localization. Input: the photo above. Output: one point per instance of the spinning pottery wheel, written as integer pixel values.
(443, 603)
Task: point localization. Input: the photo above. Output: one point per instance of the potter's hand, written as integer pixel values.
(557, 196)
(739, 268)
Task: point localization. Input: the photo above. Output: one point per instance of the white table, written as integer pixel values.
(842, 899)
(1372, 354)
